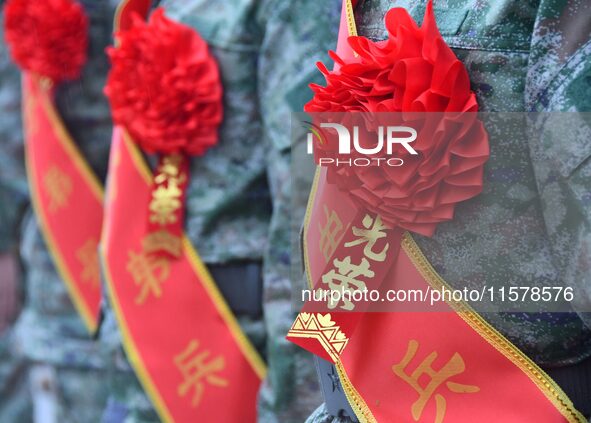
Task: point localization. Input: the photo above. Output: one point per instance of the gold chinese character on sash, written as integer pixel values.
(166, 197)
(149, 272)
(435, 380)
(197, 369)
(88, 257)
(345, 279)
(58, 187)
(163, 241)
(331, 233)
(373, 230)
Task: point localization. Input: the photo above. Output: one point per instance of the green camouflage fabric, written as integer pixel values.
(65, 377)
(15, 402)
(559, 78)
(530, 226)
(296, 35)
(238, 202)
(13, 184)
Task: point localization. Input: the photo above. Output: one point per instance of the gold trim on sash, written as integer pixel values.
(550, 389)
(131, 351)
(351, 19)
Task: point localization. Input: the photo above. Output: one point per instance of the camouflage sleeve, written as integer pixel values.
(296, 35)
(559, 80)
(13, 185)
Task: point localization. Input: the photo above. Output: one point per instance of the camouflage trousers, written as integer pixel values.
(127, 402)
(15, 401)
(66, 395)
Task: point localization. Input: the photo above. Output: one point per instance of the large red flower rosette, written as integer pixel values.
(165, 90)
(164, 87)
(48, 38)
(415, 74)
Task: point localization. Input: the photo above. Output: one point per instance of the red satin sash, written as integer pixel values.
(179, 334)
(67, 198)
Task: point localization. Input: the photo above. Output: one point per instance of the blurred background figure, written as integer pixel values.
(15, 402)
(239, 210)
(66, 367)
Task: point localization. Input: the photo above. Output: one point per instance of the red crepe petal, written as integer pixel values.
(414, 70)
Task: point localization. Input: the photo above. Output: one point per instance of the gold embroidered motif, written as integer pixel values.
(170, 169)
(58, 187)
(165, 202)
(322, 328)
(373, 231)
(197, 369)
(331, 234)
(88, 257)
(453, 367)
(148, 272)
(163, 241)
(345, 276)
(166, 198)
(346, 280)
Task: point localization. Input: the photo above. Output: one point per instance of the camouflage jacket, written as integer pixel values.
(520, 58)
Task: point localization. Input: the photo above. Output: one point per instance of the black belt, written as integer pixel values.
(241, 284)
(575, 381)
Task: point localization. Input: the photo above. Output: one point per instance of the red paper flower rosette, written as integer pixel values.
(164, 87)
(165, 90)
(414, 70)
(48, 38)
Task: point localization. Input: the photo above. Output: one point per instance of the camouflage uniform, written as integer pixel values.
(295, 36)
(238, 202)
(529, 227)
(66, 364)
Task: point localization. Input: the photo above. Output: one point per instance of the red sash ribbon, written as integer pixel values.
(67, 198)
(179, 334)
(449, 365)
